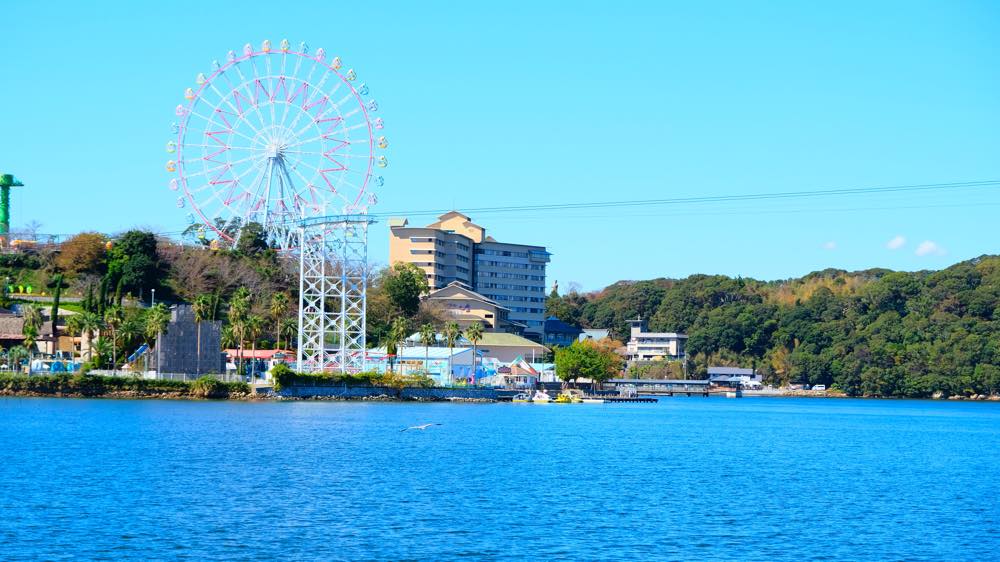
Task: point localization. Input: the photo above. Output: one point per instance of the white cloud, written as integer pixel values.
(896, 243)
(831, 245)
(928, 247)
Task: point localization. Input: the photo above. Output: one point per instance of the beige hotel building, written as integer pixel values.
(455, 249)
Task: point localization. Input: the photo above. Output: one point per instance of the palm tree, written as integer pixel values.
(238, 331)
(290, 330)
(227, 336)
(428, 336)
(202, 308)
(278, 309)
(16, 355)
(101, 350)
(130, 330)
(239, 309)
(114, 317)
(32, 323)
(90, 323)
(397, 333)
(254, 329)
(451, 334)
(157, 320)
(474, 333)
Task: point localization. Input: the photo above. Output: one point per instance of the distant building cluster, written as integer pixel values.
(453, 248)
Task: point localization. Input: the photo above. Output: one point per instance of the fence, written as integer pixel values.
(152, 375)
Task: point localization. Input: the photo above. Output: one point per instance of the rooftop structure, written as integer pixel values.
(651, 346)
(434, 361)
(453, 248)
(459, 303)
(507, 347)
(559, 333)
(719, 375)
(594, 334)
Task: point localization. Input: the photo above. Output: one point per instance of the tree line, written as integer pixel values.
(873, 333)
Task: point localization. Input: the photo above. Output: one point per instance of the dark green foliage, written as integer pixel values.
(134, 261)
(57, 287)
(209, 387)
(586, 359)
(284, 377)
(86, 385)
(404, 284)
(252, 240)
(874, 332)
(20, 261)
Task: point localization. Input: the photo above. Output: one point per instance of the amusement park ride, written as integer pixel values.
(7, 181)
(287, 138)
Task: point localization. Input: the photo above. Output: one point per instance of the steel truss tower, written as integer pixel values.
(333, 277)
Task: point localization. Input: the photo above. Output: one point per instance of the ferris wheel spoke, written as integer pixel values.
(209, 121)
(271, 86)
(234, 93)
(326, 135)
(317, 88)
(255, 88)
(205, 171)
(308, 80)
(329, 106)
(217, 145)
(236, 112)
(244, 85)
(295, 72)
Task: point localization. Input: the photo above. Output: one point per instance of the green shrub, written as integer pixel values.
(208, 387)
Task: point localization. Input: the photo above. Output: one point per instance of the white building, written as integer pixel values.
(433, 361)
(653, 346)
(594, 334)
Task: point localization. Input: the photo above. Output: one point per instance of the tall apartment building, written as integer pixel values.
(455, 249)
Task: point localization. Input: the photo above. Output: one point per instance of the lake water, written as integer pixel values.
(688, 478)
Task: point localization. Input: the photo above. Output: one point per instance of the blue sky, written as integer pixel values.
(496, 104)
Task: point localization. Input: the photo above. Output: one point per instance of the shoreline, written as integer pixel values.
(254, 397)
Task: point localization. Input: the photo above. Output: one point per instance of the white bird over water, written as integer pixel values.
(420, 427)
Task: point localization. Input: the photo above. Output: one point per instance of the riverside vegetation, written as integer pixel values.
(869, 333)
(80, 385)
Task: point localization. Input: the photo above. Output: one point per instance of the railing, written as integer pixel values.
(152, 375)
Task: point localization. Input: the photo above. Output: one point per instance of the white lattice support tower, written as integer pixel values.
(333, 278)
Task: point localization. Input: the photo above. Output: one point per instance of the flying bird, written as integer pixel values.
(420, 427)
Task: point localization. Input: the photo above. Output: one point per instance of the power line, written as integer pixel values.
(745, 197)
(708, 198)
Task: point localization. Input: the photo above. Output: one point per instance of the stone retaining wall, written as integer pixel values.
(361, 392)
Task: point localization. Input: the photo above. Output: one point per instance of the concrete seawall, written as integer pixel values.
(362, 392)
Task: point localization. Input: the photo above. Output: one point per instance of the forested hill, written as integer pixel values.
(874, 332)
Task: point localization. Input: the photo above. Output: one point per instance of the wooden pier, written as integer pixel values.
(623, 399)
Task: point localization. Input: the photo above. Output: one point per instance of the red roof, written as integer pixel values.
(264, 354)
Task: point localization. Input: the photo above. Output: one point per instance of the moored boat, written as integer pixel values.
(541, 397)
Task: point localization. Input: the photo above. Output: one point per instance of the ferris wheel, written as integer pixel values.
(275, 136)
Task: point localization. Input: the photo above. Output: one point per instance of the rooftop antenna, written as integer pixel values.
(7, 181)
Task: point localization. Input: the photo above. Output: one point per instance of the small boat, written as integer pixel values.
(522, 397)
(571, 396)
(590, 400)
(541, 397)
(734, 394)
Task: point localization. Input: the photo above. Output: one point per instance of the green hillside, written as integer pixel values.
(873, 333)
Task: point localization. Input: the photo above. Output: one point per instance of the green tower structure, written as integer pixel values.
(7, 181)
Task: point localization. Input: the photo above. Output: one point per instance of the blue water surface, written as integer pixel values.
(688, 478)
